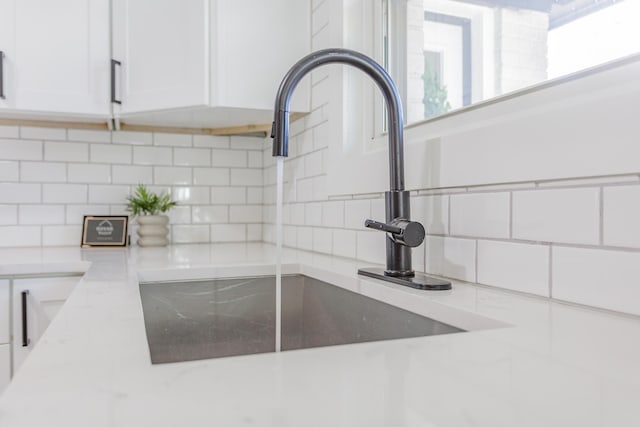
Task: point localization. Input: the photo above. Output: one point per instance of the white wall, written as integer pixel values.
(50, 178)
(565, 225)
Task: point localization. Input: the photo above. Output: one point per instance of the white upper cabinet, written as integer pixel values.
(55, 57)
(206, 63)
(162, 48)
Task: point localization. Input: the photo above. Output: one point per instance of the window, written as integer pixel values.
(461, 52)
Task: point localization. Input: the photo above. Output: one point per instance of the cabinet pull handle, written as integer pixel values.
(114, 63)
(25, 332)
(2, 96)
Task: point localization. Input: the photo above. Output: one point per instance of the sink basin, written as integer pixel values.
(205, 319)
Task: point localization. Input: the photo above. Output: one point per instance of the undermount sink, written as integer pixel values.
(192, 320)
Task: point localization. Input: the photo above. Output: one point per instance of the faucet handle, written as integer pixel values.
(382, 226)
(402, 231)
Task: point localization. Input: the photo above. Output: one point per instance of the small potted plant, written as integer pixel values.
(148, 208)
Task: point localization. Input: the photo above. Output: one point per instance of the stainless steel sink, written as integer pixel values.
(229, 317)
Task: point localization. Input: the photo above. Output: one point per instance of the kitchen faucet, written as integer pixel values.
(402, 233)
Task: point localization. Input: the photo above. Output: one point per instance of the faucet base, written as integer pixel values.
(418, 281)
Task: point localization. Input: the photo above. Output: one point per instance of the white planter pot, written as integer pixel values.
(153, 230)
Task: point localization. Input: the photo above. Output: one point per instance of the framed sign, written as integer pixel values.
(107, 230)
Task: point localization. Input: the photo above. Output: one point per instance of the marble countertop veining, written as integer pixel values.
(527, 361)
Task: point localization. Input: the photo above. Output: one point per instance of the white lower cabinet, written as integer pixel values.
(35, 302)
(5, 366)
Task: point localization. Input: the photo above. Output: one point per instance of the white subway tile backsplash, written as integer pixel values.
(599, 278)
(210, 214)
(131, 138)
(451, 257)
(67, 186)
(61, 235)
(621, 216)
(9, 132)
(86, 135)
(76, 213)
(246, 177)
(320, 187)
(344, 243)
(249, 143)
(304, 190)
(108, 153)
(191, 195)
(322, 240)
(89, 173)
(229, 195)
(371, 246)
(9, 171)
(43, 172)
(313, 214)
(228, 232)
(305, 238)
(254, 195)
(41, 214)
(19, 193)
(514, 266)
(210, 141)
(180, 215)
(377, 210)
(28, 132)
(254, 159)
(210, 176)
(245, 214)
(229, 158)
(432, 212)
(108, 194)
(190, 234)
(133, 175)
(64, 193)
(562, 215)
(27, 235)
(66, 151)
(297, 213)
(480, 215)
(333, 214)
(314, 163)
(254, 232)
(173, 139)
(8, 214)
(289, 236)
(356, 212)
(16, 149)
(172, 175)
(191, 157)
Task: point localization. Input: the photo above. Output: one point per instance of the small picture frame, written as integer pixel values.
(104, 230)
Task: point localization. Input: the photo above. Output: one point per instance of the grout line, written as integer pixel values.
(511, 215)
(601, 214)
(550, 271)
(475, 279)
(449, 216)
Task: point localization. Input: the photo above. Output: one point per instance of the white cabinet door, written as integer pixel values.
(35, 304)
(255, 43)
(56, 56)
(4, 312)
(5, 366)
(162, 47)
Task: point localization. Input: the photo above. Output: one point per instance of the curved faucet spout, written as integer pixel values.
(280, 130)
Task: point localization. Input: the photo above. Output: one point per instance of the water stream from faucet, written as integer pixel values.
(279, 207)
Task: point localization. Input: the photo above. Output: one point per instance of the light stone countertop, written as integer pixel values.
(526, 362)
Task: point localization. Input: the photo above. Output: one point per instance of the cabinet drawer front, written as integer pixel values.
(43, 298)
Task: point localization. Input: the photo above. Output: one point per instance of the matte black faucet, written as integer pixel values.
(402, 233)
